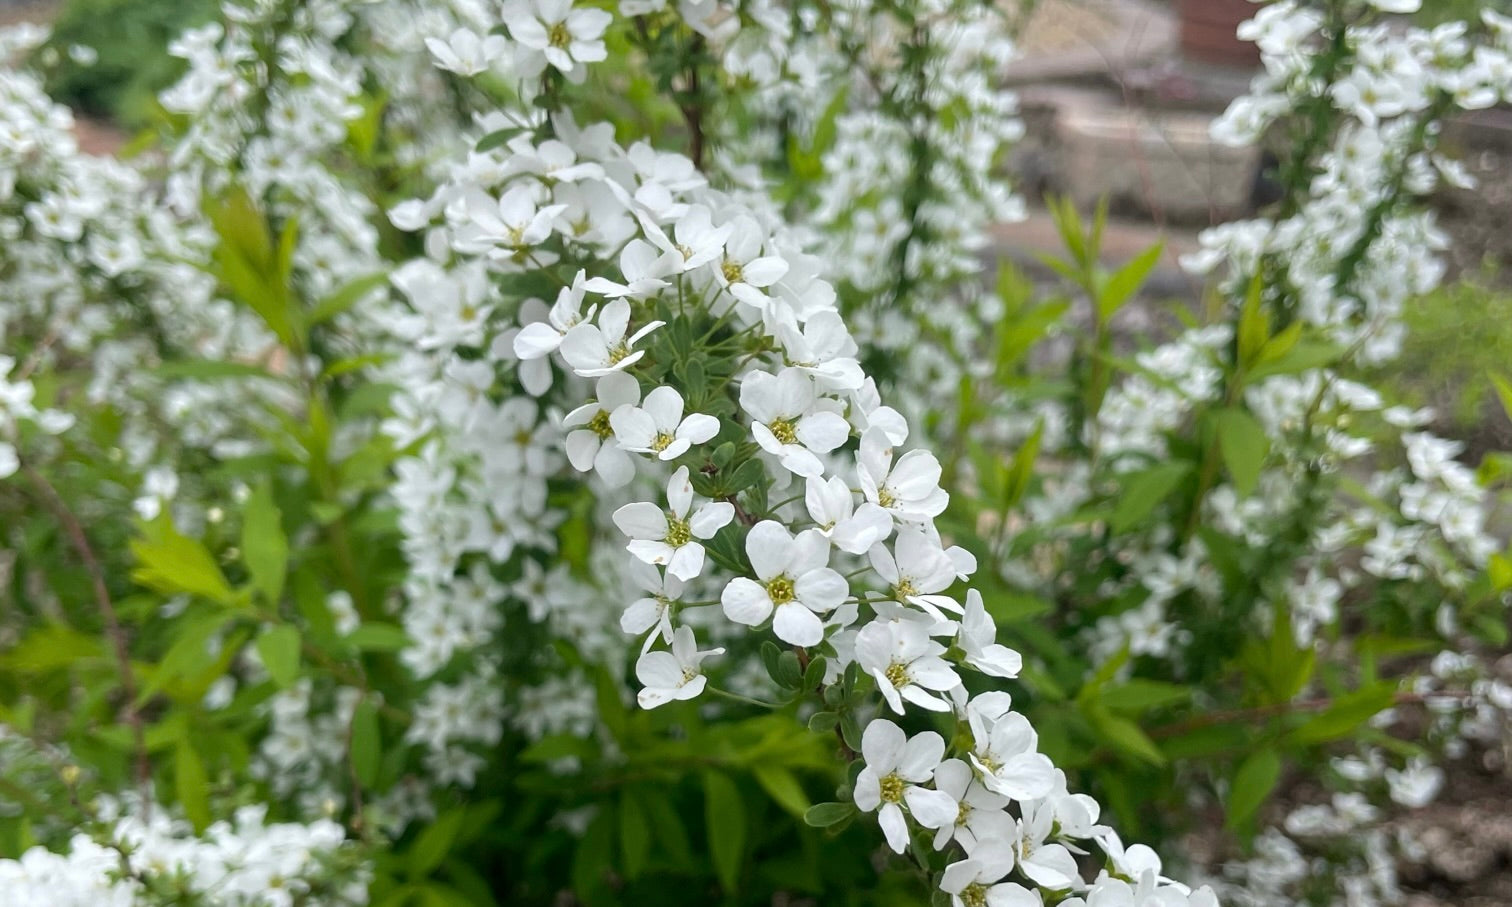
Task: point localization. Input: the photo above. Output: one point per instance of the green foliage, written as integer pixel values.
(131, 39)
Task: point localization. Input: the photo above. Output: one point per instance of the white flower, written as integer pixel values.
(895, 767)
(510, 226)
(745, 272)
(978, 637)
(593, 447)
(566, 37)
(598, 349)
(832, 507)
(653, 610)
(792, 579)
(657, 426)
(542, 338)
(464, 53)
(980, 813)
(671, 676)
(643, 269)
(786, 422)
(917, 569)
(823, 349)
(909, 489)
(1004, 749)
(976, 881)
(1048, 865)
(906, 664)
(668, 537)
(694, 238)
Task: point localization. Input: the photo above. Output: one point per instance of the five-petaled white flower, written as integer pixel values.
(788, 422)
(744, 271)
(598, 349)
(1004, 750)
(657, 426)
(508, 227)
(566, 37)
(792, 579)
(978, 638)
(906, 664)
(980, 813)
(977, 880)
(643, 268)
(670, 537)
(466, 54)
(654, 610)
(895, 767)
(593, 446)
(671, 676)
(908, 489)
(918, 570)
(832, 507)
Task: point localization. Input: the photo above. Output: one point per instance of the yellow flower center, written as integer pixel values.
(897, 675)
(974, 895)
(905, 588)
(678, 532)
(600, 426)
(618, 352)
(732, 271)
(885, 497)
(661, 442)
(784, 431)
(558, 35)
(892, 789)
(686, 251)
(780, 590)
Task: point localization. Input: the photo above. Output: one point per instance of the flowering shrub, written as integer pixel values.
(478, 500)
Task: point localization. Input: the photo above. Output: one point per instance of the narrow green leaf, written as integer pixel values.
(1244, 446)
(434, 843)
(279, 648)
(265, 548)
(784, 788)
(367, 743)
(378, 637)
(344, 297)
(724, 814)
(1142, 492)
(191, 784)
(635, 834)
(1253, 782)
(1122, 284)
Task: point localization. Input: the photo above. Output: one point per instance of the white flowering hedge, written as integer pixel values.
(538, 452)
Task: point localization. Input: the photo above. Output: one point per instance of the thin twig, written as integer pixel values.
(80, 541)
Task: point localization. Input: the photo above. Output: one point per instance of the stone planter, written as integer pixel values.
(1207, 31)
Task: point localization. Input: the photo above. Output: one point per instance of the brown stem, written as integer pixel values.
(80, 541)
(1242, 716)
(693, 110)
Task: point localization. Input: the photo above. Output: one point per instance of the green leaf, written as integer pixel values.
(635, 833)
(191, 784)
(207, 369)
(1254, 324)
(823, 815)
(344, 297)
(1346, 714)
(1139, 695)
(789, 674)
(1504, 393)
(1244, 446)
(1142, 491)
(784, 788)
(367, 743)
(279, 648)
(265, 548)
(434, 843)
(1253, 782)
(498, 138)
(1126, 281)
(1124, 735)
(375, 636)
(724, 814)
(189, 652)
(171, 563)
(1304, 356)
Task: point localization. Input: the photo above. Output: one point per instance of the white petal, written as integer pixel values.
(798, 625)
(746, 602)
(710, 518)
(641, 520)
